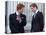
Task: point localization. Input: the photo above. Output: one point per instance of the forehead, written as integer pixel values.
(33, 7)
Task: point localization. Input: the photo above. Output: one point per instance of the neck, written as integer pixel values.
(36, 11)
(17, 13)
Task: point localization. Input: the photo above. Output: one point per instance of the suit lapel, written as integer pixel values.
(15, 16)
(21, 16)
(36, 14)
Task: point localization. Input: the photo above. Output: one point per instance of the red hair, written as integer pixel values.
(20, 6)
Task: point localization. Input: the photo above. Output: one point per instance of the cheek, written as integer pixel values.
(32, 9)
(22, 10)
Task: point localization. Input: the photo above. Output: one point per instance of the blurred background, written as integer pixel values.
(10, 8)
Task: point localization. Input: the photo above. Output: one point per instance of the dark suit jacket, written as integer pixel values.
(37, 23)
(15, 26)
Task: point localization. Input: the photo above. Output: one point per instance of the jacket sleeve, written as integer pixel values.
(11, 23)
(41, 21)
(23, 23)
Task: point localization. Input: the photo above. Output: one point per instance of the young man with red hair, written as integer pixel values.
(18, 20)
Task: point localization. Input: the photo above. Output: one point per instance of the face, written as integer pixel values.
(21, 10)
(33, 9)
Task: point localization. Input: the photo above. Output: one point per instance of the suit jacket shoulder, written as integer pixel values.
(39, 12)
(11, 15)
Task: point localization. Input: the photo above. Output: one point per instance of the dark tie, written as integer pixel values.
(34, 15)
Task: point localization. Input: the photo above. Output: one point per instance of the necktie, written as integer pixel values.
(34, 15)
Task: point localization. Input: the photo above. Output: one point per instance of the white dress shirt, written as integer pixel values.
(17, 13)
(36, 11)
(18, 16)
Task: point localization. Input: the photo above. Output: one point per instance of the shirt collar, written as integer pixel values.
(36, 11)
(17, 12)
